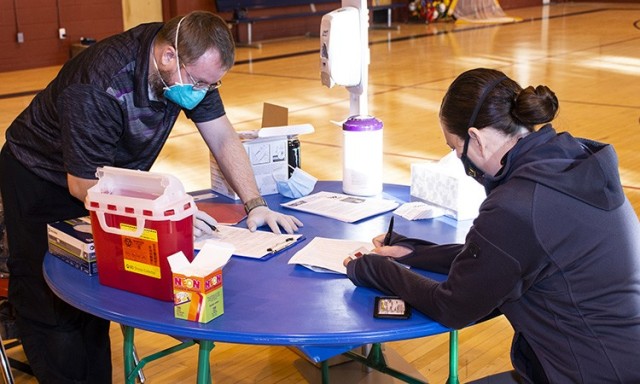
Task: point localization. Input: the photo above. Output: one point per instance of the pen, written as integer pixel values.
(387, 237)
(213, 227)
(280, 246)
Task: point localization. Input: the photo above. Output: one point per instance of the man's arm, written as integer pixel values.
(78, 187)
(223, 142)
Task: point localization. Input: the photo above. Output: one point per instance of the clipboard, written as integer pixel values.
(224, 213)
(261, 245)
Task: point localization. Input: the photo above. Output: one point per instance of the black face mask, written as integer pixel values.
(469, 167)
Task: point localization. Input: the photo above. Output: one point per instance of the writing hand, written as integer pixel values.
(378, 241)
(395, 251)
(203, 224)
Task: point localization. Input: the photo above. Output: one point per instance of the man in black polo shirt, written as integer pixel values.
(112, 105)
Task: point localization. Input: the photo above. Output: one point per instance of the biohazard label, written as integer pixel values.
(140, 254)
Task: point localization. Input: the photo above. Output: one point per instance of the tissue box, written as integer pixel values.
(198, 298)
(445, 184)
(72, 241)
(269, 158)
(268, 151)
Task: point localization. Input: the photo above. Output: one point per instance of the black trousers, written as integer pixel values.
(63, 344)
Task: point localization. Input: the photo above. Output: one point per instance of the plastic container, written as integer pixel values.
(293, 147)
(362, 156)
(138, 219)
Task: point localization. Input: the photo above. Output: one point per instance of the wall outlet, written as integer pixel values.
(20, 37)
(62, 33)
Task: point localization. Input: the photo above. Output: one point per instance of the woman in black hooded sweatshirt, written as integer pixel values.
(555, 247)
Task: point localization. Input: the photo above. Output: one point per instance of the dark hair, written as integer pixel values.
(200, 31)
(486, 97)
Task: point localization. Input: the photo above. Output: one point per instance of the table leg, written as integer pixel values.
(453, 358)
(129, 364)
(141, 378)
(324, 366)
(204, 367)
(133, 368)
(376, 360)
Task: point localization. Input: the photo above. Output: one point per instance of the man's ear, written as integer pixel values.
(168, 55)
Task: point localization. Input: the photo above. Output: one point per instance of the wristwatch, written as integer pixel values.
(254, 203)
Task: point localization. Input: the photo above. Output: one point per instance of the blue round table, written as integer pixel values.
(270, 301)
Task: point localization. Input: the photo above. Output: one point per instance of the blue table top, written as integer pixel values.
(270, 301)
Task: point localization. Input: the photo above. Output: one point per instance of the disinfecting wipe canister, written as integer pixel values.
(362, 156)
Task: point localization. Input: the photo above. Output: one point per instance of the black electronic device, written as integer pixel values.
(391, 307)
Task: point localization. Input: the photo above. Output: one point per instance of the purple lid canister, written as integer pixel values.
(362, 124)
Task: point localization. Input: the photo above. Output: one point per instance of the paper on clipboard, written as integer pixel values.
(342, 207)
(255, 245)
(326, 255)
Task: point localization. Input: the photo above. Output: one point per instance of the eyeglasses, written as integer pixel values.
(200, 85)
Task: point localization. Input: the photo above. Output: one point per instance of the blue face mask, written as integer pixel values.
(182, 94)
(299, 184)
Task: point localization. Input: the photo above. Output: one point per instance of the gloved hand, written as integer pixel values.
(203, 224)
(260, 216)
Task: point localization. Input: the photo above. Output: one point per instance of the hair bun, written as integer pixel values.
(535, 105)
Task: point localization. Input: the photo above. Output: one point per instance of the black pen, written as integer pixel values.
(387, 237)
(213, 227)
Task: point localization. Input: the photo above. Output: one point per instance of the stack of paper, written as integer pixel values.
(417, 211)
(341, 207)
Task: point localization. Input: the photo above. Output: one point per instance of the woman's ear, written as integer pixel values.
(476, 135)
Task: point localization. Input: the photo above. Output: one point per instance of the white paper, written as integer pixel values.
(341, 207)
(418, 211)
(327, 255)
(249, 244)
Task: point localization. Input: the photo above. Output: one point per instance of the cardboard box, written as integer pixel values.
(198, 298)
(72, 241)
(268, 159)
(268, 152)
(445, 184)
(197, 285)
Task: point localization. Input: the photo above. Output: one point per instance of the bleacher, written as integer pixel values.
(249, 12)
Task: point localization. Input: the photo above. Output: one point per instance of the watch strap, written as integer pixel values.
(254, 203)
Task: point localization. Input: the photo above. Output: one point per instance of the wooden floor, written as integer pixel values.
(589, 54)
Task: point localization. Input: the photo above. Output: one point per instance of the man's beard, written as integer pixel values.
(156, 84)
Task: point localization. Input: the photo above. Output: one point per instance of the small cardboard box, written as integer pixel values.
(445, 184)
(268, 152)
(197, 286)
(198, 298)
(72, 241)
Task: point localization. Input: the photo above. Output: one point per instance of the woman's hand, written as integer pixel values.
(394, 251)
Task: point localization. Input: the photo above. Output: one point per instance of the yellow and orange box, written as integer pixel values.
(197, 284)
(198, 298)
